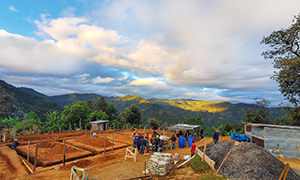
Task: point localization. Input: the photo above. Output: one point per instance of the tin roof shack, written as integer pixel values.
(275, 139)
(184, 127)
(100, 125)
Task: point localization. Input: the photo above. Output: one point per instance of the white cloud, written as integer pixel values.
(12, 8)
(122, 79)
(148, 81)
(102, 80)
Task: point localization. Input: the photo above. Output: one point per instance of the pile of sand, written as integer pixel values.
(92, 141)
(246, 161)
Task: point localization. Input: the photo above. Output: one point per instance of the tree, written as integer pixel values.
(153, 123)
(285, 52)
(53, 121)
(7, 103)
(259, 113)
(101, 104)
(98, 115)
(76, 115)
(194, 121)
(131, 115)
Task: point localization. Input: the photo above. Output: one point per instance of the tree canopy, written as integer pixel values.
(285, 52)
(7, 103)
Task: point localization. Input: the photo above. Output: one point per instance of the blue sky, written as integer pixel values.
(204, 50)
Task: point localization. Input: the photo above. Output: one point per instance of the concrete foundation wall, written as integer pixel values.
(258, 131)
(285, 139)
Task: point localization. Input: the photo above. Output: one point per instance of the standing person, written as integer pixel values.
(201, 133)
(157, 143)
(216, 136)
(134, 140)
(147, 136)
(138, 143)
(142, 144)
(193, 148)
(153, 142)
(147, 144)
(160, 145)
(15, 144)
(173, 140)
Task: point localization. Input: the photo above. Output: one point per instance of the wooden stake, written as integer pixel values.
(223, 161)
(51, 134)
(105, 144)
(287, 171)
(285, 168)
(114, 125)
(145, 167)
(204, 151)
(84, 129)
(59, 132)
(140, 127)
(64, 157)
(28, 152)
(4, 138)
(112, 143)
(35, 159)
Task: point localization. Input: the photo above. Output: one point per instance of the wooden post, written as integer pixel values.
(59, 132)
(204, 151)
(140, 127)
(126, 126)
(4, 136)
(114, 125)
(64, 158)
(84, 129)
(144, 130)
(287, 171)
(105, 144)
(35, 159)
(28, 152)
(145, 167)
(14, 132)
(51, 134)
(112, 143)
(164, 132)
(223, 161)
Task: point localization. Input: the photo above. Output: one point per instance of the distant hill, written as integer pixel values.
(27, 102)
(166, 111)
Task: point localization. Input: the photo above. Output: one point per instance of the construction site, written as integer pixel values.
(109, 155)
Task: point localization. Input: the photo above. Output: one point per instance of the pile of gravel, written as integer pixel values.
(246, 161)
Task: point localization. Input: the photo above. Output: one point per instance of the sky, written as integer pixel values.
(172, 49)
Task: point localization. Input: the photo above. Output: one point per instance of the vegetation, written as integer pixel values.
(153, 123)
(260, 113)
(200, 166)
(285, 52)
(7, 103)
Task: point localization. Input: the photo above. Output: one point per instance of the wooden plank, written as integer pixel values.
(223, 161)
(104, 144)
(186, 161)
(210, 162)
(204, 151)
(285, 168)
(287, 171)
(201, 141)
(112, 143)
(27, 166)
(298, 146)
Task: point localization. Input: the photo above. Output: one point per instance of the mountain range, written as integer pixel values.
(166, 111)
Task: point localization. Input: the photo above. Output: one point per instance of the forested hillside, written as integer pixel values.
(166, 111)
(27, 102)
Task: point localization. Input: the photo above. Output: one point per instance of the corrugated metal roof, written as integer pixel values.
(183, 127)
(99, 122)
(272, 126)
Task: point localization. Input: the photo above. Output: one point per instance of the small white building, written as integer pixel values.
(275, 138)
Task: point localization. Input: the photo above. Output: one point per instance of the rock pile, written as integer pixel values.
(160, 163)
(247, 161)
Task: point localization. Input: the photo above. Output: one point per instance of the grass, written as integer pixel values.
(202, 167)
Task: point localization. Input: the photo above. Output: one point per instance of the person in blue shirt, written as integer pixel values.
(216, 136)
(138, 143)
(147, 144)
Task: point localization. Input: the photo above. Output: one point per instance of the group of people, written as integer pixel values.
(139, 142)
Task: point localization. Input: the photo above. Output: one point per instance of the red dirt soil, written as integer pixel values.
(89, 140)
(50, 153)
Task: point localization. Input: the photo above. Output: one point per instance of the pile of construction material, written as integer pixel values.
(160, 164)
(246, 161)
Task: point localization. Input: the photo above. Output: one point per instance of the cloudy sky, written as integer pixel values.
(192, 49)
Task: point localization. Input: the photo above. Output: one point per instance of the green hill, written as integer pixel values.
(166, 111)
(27, 102)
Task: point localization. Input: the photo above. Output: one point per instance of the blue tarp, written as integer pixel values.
(239, 137)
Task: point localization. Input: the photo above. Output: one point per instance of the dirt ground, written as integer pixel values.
(110, 165)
